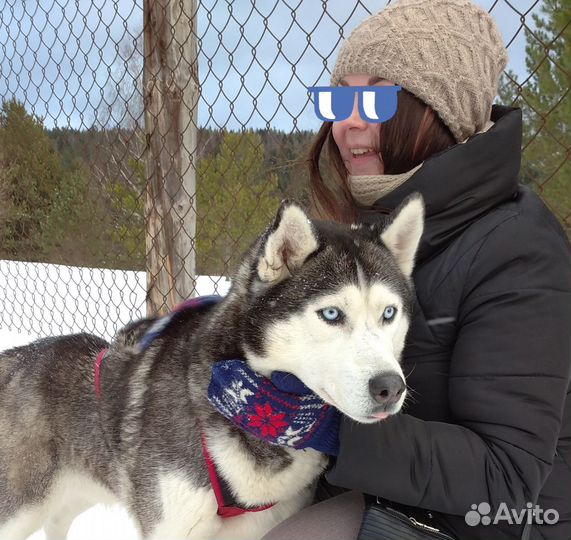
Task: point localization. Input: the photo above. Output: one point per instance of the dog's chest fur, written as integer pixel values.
(260, 479)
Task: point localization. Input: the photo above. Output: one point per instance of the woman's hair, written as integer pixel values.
(412, 135)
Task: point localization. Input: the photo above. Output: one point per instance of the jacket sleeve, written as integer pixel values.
(509, 375)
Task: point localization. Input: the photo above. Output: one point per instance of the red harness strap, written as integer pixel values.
(98, 362)
(224, 511)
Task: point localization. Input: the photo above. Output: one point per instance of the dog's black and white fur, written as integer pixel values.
(63, 450)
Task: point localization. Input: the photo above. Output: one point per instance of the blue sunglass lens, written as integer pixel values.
(378, 103)
(333, 104)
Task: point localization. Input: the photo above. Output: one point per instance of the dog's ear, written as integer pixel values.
(289, 241)
(402, 234)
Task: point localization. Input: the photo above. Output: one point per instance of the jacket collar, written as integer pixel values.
(461, 183)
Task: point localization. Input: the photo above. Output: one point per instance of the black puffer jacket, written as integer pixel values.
(488, 355)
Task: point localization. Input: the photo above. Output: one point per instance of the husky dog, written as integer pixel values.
(140, 440)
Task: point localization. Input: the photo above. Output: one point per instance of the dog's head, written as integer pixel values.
(331, 304)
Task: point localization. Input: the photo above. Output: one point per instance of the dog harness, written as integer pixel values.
(227, 507)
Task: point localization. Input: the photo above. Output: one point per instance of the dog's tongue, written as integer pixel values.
(381, 415)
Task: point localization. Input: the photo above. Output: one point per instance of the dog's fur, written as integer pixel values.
(63, 450)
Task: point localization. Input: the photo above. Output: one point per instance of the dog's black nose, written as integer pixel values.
(386, 389)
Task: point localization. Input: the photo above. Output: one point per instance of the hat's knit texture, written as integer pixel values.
(448, 53)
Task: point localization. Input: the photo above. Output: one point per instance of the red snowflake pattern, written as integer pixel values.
(269, 423)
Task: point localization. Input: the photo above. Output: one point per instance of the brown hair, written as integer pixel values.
(412, 135)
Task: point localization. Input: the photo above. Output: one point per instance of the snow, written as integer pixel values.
(38, 300)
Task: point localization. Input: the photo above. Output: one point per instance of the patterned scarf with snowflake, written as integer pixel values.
(286, 413)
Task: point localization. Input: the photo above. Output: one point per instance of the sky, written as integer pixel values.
(64, 58)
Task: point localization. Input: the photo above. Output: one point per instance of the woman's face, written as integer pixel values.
(358, 140)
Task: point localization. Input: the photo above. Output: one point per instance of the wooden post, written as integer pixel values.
(170, 79)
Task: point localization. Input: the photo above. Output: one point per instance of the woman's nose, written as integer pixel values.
(354, 121)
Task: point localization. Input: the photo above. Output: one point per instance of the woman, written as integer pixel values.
(488, 356)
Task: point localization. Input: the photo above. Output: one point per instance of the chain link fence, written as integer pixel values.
(173, 165)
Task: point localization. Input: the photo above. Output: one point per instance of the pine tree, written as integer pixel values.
(76, 230)
(546, 104)
(126, 197)
(30, 170)
(236, 200)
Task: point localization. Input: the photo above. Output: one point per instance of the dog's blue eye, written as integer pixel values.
(389, 313)
(331, 314)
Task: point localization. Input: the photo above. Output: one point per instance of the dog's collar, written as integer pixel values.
(220, 487)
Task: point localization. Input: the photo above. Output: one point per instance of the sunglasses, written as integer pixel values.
(335, 103)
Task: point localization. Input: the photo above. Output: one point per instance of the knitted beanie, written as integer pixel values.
(448, 53)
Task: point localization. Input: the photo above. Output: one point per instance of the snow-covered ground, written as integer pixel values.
(38, 300)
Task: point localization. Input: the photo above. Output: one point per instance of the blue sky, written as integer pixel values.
(61, 59)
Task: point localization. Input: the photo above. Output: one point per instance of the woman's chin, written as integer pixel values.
(364, 166)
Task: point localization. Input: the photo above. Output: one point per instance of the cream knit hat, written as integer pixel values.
(448, 53)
